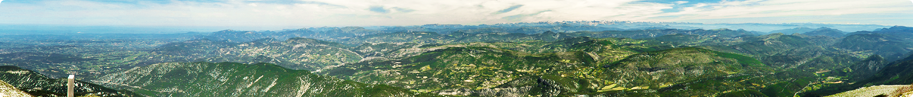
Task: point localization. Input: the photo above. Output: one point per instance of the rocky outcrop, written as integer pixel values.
(7, 90)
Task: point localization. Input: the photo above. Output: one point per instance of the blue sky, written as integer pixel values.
(278, 14)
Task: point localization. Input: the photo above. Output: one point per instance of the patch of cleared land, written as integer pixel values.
(869, 91)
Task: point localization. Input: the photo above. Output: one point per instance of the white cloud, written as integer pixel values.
(787, 8)
(681, 2)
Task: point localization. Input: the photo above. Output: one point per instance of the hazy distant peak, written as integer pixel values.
(793, 30)
(897, 28)
(825, 28)
(825, 31)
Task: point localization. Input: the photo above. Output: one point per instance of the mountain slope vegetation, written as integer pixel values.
(37, 84)
(235, 79)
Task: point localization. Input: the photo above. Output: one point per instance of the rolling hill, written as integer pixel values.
(236, 79)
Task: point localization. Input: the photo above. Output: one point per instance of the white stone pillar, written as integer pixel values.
(71, 83)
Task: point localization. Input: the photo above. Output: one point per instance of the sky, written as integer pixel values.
(273, 14)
